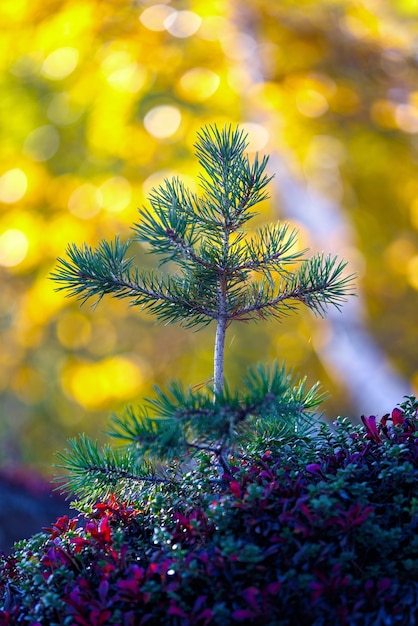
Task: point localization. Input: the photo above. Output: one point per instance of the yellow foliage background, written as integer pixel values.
(101, 100)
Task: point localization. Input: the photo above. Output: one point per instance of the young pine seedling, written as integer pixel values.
(223, 276)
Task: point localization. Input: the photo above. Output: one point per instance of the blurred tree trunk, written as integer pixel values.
(349, 354)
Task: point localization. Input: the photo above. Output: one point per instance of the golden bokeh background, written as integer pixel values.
(101, 100)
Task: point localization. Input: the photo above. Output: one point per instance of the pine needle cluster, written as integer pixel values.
(222, 275)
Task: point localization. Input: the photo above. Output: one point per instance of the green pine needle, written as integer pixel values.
(93, 474)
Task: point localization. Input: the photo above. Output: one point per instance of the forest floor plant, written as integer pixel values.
(225, 506)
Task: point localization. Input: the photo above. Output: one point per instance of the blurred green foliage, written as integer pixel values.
(101, 100)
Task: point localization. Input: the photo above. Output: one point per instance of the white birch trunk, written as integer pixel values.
(351, 355)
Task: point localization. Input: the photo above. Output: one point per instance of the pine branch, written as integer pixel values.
(187, 417)
(93, 273)
(270, 251)
(322, 282)
(175, 299)
(234, 185)
(104, 270)
(158, 437)
(170, 229)
(318, 283)
(273, 390)
(256, 435)
(94, 473)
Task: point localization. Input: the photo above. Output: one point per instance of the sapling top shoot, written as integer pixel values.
(222, 274)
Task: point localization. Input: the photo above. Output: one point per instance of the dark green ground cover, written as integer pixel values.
(320, 531)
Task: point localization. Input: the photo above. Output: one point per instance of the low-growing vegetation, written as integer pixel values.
(320, 532)
(224, 506)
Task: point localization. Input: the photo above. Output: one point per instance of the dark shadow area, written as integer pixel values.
(27, 505)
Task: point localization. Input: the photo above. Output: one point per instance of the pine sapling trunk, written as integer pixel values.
(219, 355)
(222, 320)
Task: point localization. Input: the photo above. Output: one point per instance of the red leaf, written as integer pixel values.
(397, 417)
(250, 596)
(79, 542)
(384, 584)
(370, 424)
(130, 587)
(104, 529)
(273, 588)
(199, 602)
(207, 615)
(103, 590)
(152, 569)
(235, 487)
(242, 614)
(176, 610)
(314, 468)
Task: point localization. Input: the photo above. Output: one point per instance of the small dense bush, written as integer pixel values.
(323, 532)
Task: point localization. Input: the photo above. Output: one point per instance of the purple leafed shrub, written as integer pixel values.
(324, 532)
